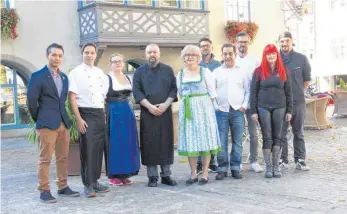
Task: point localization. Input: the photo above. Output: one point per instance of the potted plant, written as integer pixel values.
(343, 85)
(74, 163)
(232, 28)
(9, 21)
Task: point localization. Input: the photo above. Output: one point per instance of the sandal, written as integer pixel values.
(203, 181)
(191, 181)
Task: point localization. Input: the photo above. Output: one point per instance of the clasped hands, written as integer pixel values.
(158, 109)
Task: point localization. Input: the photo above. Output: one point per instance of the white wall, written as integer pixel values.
(269, 16)
(329, 27)
(42, 23)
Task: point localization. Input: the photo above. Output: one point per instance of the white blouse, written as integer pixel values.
(208, 78)
(89, 84)
(117, 86)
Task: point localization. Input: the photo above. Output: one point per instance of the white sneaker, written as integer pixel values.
(283, 166)
(300, 165)
(256, 167)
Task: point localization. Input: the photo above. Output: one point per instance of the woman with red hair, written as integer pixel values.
(271, 104)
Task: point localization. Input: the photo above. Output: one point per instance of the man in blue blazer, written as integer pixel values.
(47, 93)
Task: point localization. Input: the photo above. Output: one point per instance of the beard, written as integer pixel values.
(205, 53)
(153, 62)
(243, 50)
(285, 49)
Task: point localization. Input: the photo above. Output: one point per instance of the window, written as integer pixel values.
(338, 47)
(338, 4)
(85, 2)
(115, 1)
(7, 3)
(13, 99)
(168, 3)
(192, 4)
(239, 10)
(141, 2)
(187, 4)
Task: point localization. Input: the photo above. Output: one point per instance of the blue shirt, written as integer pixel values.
(57, 80)
(211, 65)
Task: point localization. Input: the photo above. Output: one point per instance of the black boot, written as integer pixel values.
(221, 175)
(236, 174)
(168, 181)
(152, 182)
(268, 163)
(276, 155)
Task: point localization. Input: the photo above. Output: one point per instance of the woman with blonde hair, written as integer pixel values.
(122, 147)
(198, 132)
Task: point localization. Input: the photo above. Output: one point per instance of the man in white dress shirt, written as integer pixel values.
(249, 63)
(232, 87)
(87, 92)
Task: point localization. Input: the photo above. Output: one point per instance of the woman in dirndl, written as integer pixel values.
(122, 146)
(198, 130)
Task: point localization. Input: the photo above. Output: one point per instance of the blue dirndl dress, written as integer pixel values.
(122, 145)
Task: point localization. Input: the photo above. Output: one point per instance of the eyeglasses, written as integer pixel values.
(228, 54)
(242, 42)
(117, 61)
(190, 55)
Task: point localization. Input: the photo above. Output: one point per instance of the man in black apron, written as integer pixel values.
(154, 87)
(88, 86)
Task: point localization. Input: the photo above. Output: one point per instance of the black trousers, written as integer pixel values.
(92, 144)
(297, 123)
(271, 122)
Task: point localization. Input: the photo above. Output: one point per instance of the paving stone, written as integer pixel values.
(321, 190)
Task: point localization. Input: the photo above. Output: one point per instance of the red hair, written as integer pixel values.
(264, 67)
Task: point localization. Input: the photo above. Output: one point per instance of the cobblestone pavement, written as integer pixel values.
(321, 190)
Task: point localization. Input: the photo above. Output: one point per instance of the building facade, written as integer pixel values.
(116, 26)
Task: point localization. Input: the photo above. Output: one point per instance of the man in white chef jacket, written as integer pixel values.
(87, 85)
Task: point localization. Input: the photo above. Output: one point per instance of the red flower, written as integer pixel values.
(233, 28)
(9, 21)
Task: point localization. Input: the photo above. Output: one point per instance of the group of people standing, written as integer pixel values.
(215, 97)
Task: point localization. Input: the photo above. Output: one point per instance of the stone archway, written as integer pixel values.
(22, 66)
(13, 100)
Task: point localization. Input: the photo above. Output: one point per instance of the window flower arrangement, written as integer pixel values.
(234, 27)
(9, 21)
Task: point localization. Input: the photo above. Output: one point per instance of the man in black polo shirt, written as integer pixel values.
(300, 71)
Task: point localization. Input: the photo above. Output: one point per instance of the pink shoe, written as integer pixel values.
(126, 181)
(115, 182)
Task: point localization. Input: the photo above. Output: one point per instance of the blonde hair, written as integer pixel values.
(114, 55)
(192, 49)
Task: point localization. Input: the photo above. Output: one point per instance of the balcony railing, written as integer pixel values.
(122, 25)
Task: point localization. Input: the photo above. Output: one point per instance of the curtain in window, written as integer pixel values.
(142, 2)
(192, 4)
(168, 3)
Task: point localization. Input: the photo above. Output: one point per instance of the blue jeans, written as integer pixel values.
(253, 134)
(235, 120)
